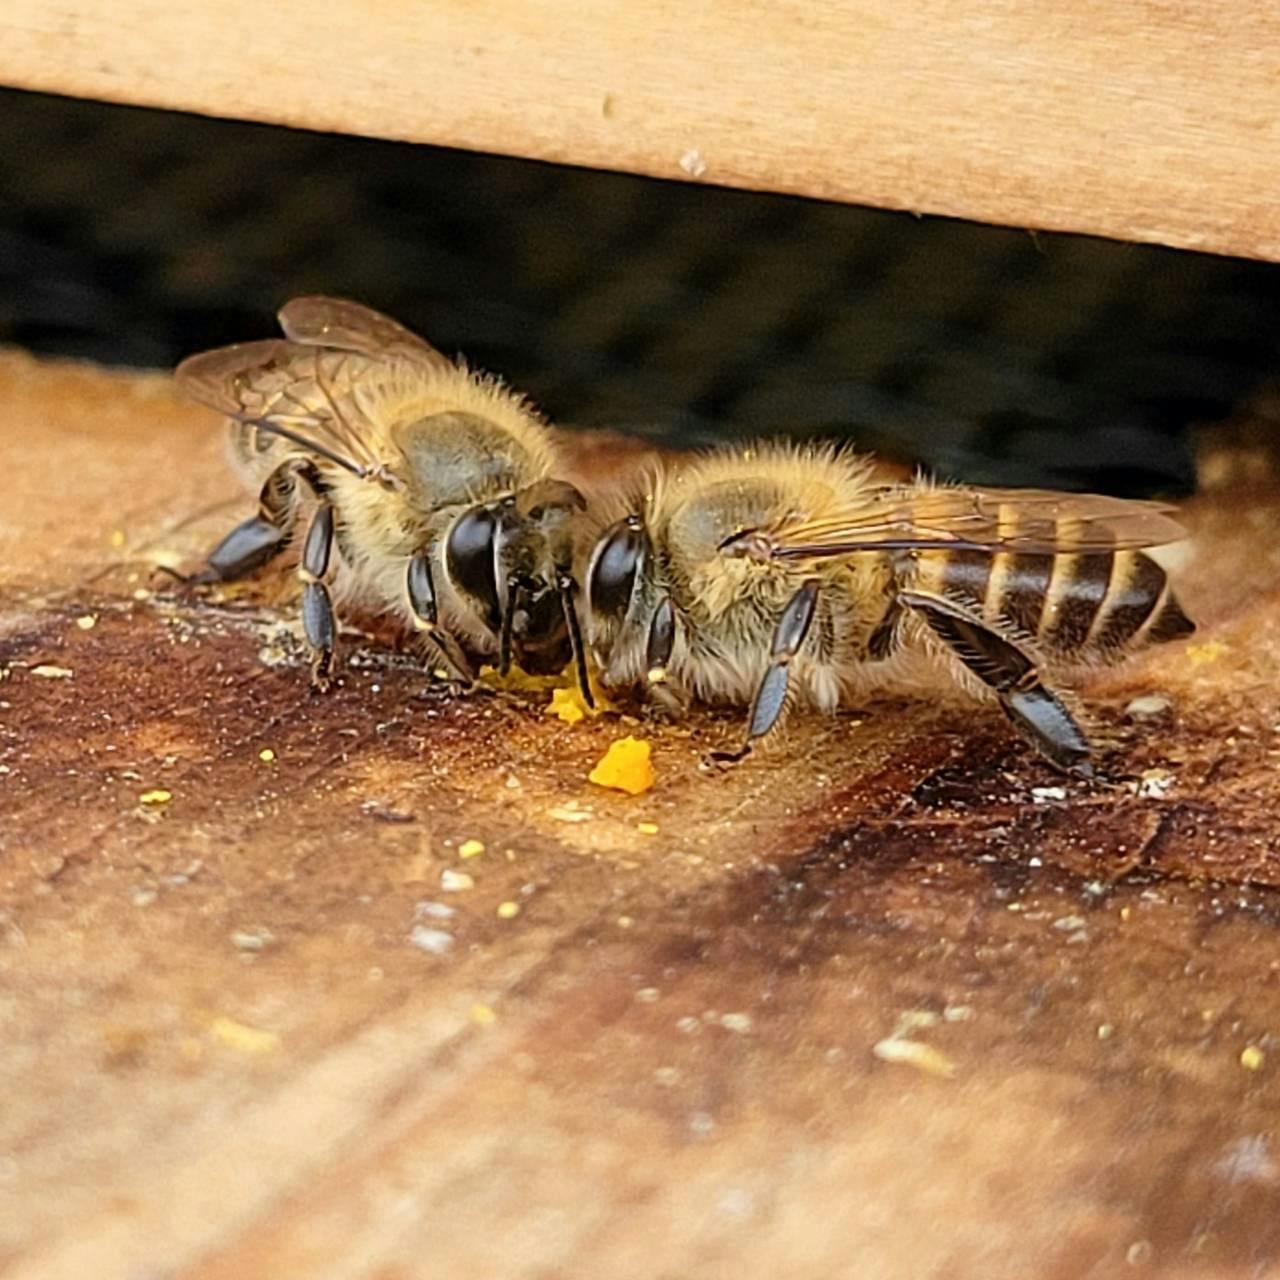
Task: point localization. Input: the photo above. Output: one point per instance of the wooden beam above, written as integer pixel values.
(1154, 121)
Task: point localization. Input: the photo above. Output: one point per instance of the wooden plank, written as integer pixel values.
(1152, 121)
(222, 1055)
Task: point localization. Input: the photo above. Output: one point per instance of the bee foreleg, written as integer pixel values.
(666, 695)
(1036, 711)
(771, 695)
(420, 586)
(317, 608)
(659, 643)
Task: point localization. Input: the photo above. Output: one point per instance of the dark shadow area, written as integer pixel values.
(680, 312)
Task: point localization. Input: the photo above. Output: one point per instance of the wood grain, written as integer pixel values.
(1151, 121)
(664, 1064)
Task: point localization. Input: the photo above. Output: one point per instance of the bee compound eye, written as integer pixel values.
(469, 558)
(614, 565)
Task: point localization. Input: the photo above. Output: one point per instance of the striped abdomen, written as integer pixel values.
(1075, 605)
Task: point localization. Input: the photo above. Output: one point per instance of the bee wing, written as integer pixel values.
(317, 321)
(1027, 520)
(311, 388)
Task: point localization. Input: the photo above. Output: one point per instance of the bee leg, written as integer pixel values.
(421, 589)
(258, 540)
(250, 545)
(668, 697)
(1035, 710)
(568, 588)
(659, 643)
(771, 695)
(317, 608)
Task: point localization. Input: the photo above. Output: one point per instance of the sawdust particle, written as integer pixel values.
(251, 1041)
(434, 942)
(913, 1053)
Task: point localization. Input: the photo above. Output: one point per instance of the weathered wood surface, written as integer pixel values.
(1151, 122)
(663, 1065)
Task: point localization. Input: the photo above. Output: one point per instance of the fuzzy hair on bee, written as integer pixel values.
(430, 492)
(781, 575)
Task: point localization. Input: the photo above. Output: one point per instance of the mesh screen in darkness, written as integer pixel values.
(683, 312)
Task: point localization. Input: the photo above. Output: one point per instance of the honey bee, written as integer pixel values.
(431, 490)
(778, 575)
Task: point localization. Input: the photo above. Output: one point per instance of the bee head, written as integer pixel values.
(511, 560)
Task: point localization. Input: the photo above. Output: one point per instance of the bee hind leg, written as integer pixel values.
(1035, 710)
(257, 541)
(250, 545)
(770, 700)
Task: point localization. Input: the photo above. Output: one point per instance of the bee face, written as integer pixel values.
(509, 560)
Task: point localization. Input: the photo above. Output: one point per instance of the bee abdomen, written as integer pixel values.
(1007, 588)
(1075, 596)
(1074, 604)
(1106, 603)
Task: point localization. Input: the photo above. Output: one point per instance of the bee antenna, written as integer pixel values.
(568, 589)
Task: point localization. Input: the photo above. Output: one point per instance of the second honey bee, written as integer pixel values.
(431, 492)
(783, 575)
